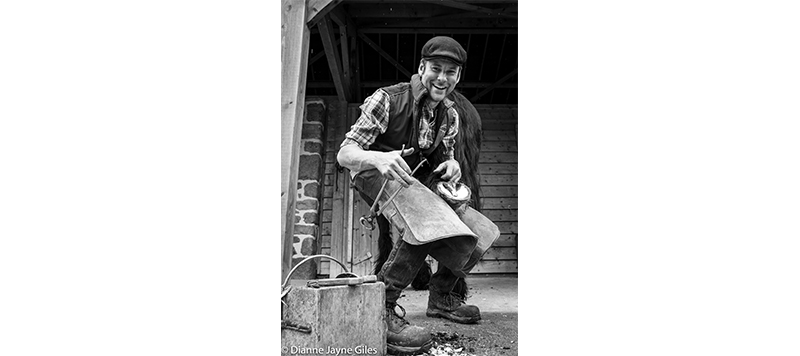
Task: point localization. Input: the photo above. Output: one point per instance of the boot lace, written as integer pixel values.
(392, 311)
(454, 300)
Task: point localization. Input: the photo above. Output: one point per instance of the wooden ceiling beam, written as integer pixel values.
(316, 9)
(383, 54)
(469, 7)
(445, 21)
(495, 85)
(439, 30)
(424, 1)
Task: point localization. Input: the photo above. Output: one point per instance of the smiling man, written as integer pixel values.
(401, 126)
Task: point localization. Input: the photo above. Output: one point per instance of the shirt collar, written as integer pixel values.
(420, 92)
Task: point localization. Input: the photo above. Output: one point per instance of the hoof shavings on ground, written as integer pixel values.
(445, 344)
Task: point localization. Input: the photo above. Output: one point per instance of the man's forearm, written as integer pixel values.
(355, 158)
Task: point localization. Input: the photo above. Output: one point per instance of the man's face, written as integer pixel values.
(439, 77)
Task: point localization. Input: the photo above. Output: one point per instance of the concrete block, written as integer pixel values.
(340, 317)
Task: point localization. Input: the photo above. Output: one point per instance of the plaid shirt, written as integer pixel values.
(369, 125)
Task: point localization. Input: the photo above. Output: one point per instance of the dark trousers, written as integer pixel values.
(405, 261)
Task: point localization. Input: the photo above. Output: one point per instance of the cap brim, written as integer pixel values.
(449, 59)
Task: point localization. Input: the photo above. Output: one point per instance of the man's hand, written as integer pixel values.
(392, 165)
(451, 169)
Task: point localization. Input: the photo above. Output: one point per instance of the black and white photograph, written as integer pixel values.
(457, 178)
(401, 144)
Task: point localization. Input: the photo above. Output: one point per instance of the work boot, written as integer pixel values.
(402, 338)
(451, 306)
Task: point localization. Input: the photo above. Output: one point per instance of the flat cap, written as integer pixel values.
(444, 47)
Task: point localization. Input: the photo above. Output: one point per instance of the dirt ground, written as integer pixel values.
(495, 334)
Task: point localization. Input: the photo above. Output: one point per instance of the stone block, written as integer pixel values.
(312, 147)
(315, 112)
(311, 190)
(340, 317)
(307, 271)
(307, 204)
(311, 218)
(305, 230)
(296, 218)
(312, 131)
(310, 166)
(309, 246)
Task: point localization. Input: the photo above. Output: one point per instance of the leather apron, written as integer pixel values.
(423, 217)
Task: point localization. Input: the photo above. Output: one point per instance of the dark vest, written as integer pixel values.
(405, 110)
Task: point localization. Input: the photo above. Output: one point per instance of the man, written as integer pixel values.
(399, 127)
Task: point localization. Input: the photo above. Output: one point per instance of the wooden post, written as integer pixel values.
(334, 61)
(294, 66)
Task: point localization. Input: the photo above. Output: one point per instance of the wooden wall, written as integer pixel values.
(498, 170)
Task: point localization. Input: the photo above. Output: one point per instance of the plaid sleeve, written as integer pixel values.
(373, 121)
(449, 139)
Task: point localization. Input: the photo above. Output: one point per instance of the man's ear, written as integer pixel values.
(421, 67)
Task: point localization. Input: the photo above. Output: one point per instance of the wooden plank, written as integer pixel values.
(499, 125)
(505, 240)
(500, 253)
(499, 179)
(498, 191)
(294, 64)
(384, 54)
(334, 61)
(489, 203)
(498, 146)
(496, 135)
(498, 157)
(341, 199)
(497, 168)
(508, 227)
(495, 267)
(498, 215)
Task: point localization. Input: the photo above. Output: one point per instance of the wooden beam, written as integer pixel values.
(384, 54)
(497, 83)
(334, 61)
(346, 75)
(469, 7)
(317, 9)
(294, 67)
(423, 1)
(438, 30)
(380, 84)
(319, 55)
